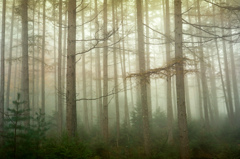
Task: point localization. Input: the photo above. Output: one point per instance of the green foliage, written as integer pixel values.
(22, 140)
(64, 147)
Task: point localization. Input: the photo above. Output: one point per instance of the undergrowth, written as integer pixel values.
(220, 142)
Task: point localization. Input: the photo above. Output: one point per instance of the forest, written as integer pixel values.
(120, 79)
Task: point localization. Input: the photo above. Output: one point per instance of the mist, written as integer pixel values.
(120, 79)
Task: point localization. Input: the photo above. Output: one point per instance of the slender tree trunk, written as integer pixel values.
(71, 70)
(234, 76)
(203, 73)
(60, 85)
(25, 68)
(98, 80)
(56, 91)
(38, 63)
(115, 74)
(105, 74)
(169, 80)
(221, 75)
(143, 79)
(182, 116)
(174, 98)
(234, 80)
(33, 63)
(2, 69)
(227, 76)
(85, 104)
(148, 61)
(91, 75)
(199, 92)
(64, 66)
(10, 57)
(213, 86)
(43, 58)
(126, 110)
(16, 64)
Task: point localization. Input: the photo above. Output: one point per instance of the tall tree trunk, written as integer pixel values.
(220, 70)
(186, 84)
(199, 92)
(64, 63)
(98, 70)
(16, 90)
(105, 74)
(85, 104)
(91, 75)
(233, 73)
(38, 63)
(169, 80)
(234, 80)
(43, 58)
(203, 73)
(126, 110)
(71, 71)
(213, 86)
(227, 76)
(56, 92)
(182, 116)
(2, 69)
(148, 61)
(33, 62)
(115, 74)
(10, 57)
(25, 68)
(60, 85)
(143, 79)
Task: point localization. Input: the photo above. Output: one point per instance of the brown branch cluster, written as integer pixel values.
(168, 70)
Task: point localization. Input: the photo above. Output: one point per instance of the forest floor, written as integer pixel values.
(221, 141)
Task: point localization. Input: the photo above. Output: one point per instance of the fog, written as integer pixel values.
(124, 79)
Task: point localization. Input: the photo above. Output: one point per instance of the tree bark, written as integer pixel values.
(71, 71)
(182, 116)
(98, 80)
(169, 88)
(227, 76)
(10, 57)
(105, 74)
(2, 70)
(148, 61)
(60, 93)
(143, 79)
(203, 74)
(43, 58)
(115, 74)
(25, 67)
(126, 109)
(85, 103)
